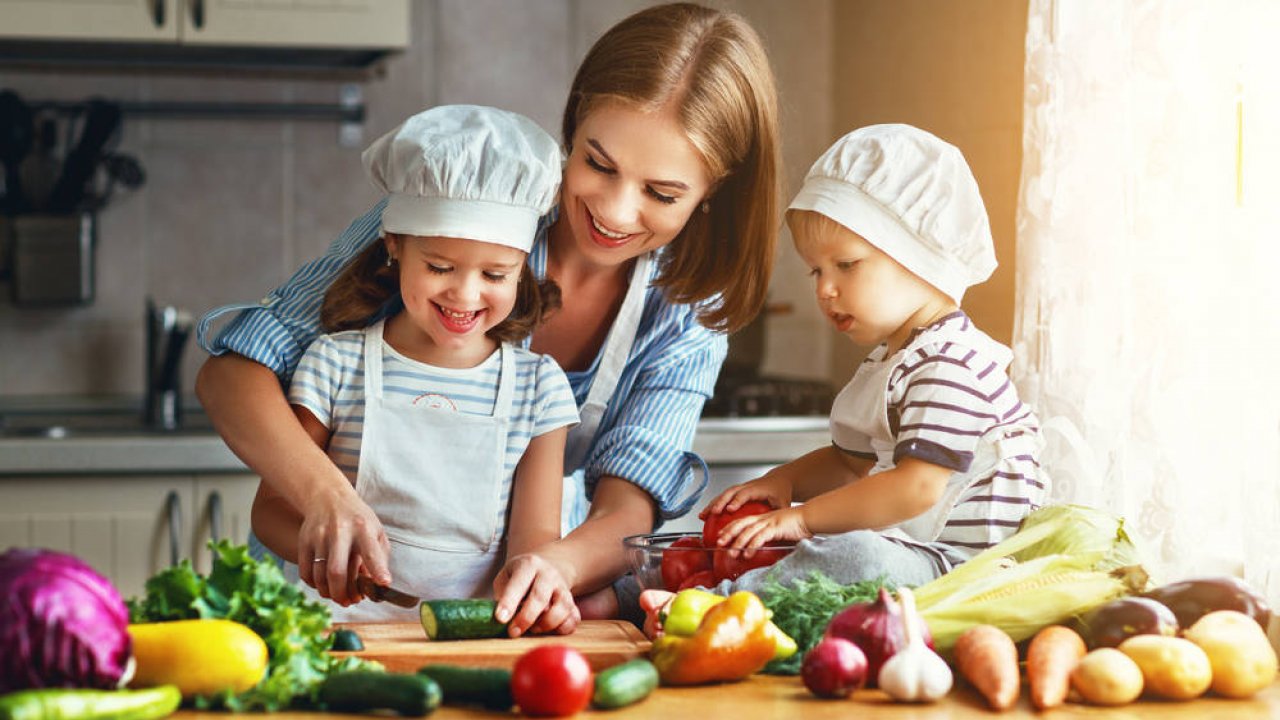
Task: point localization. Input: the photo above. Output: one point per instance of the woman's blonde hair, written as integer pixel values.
(713, 67)
(369, 281)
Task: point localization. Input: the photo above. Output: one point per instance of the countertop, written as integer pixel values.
(764, 696)
(198, 449)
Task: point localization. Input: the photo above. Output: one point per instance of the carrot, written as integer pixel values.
(988, 659)
(1051, 657)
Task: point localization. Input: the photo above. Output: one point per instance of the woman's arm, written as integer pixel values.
(249, 410)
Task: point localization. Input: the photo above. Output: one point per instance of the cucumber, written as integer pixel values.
(78, 704)
(460, 619)
(624, 684)
(488, 687)
(362, 691)
(345, 640)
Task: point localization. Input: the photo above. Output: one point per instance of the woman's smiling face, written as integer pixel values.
(631, 182)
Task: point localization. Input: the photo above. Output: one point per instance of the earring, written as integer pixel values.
(390, 260)
(706, 207)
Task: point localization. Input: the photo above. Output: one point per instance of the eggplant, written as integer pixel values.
(1190, 599)
(1114, 622)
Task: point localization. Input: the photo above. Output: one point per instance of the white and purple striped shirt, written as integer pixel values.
(950, 403)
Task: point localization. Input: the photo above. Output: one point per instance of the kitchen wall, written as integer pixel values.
(956, 70)
(232, 207)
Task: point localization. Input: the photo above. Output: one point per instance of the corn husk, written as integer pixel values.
(1063, 561)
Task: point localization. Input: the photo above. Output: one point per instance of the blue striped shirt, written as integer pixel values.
(330, 384)
(646, 433)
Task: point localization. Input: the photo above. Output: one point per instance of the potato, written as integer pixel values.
(1243, 660)
(1172, 667)
(1107, 676)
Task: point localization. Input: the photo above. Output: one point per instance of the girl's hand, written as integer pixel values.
(770, 488)
(533, 596)
(654, 603)
(753, 532)
(340, 534)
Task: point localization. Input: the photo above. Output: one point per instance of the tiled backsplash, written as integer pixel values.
(231, 207)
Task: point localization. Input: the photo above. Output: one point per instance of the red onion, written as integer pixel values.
(877, 629)
(834, 668)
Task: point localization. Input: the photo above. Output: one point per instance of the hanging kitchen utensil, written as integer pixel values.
(16, 133)
(101, 122)
(119, 168)
(39, 171)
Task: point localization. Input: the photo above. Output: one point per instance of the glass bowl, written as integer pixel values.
(660, 564)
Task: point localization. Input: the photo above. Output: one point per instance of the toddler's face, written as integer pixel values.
(865, 293)
(456, 290)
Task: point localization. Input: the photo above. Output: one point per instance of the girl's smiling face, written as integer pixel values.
(867, 295)
(454, 291)
(630, 184)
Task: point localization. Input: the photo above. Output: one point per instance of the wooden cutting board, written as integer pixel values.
(404, 647)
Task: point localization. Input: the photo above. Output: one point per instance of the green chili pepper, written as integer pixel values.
(76, 704)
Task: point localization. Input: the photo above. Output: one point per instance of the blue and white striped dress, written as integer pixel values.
(645, 435)
(951, 403)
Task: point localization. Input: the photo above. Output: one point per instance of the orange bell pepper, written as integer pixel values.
(733, 641)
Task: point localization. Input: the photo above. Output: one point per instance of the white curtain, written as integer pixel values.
(1148, 249)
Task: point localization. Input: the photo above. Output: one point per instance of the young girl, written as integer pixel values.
(933, 457)
(452, 435)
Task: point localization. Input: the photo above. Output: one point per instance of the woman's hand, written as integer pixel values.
(534, 596)
(753, 532)
(340, 534)
(772, 488)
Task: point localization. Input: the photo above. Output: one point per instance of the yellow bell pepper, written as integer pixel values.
(687, 609)
(732, 641)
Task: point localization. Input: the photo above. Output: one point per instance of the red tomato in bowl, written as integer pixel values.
(681, 560)
(552, 681)
(702, 578)
(725, 566)
(711, 528)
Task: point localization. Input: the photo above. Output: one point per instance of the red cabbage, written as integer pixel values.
(61, 624)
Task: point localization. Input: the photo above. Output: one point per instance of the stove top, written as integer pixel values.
(751, 396)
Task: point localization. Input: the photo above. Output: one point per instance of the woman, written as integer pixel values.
(663, 240)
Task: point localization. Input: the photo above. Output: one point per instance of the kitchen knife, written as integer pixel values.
(383, 593)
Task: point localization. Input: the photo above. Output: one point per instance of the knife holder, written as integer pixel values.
(53, 259)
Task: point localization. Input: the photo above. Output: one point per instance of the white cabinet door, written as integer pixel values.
(222, 506)
(122, 526)
(299, 23)
(110, 20)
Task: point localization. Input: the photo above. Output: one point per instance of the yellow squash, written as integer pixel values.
(199, 656)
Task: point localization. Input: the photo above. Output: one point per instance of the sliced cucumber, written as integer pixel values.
(488, 687)
(460, 619)
(624, 684)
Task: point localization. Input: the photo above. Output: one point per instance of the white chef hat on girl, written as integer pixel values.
(911, 195)
(466, 171)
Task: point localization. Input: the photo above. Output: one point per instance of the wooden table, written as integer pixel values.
(765, 697)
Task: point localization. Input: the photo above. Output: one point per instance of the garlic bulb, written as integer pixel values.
(915, 673)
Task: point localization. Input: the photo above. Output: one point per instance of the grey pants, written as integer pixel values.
(845, 558)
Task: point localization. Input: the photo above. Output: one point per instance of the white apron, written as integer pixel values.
(862, 409)
(617, 348)
(435, 480)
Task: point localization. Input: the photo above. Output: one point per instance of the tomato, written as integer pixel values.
(681, 559)
(711, 528)
(704, 578)
(727, 567)
(552, 681)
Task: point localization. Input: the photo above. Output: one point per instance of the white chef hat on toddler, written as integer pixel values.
(911, 195)
(466, 171)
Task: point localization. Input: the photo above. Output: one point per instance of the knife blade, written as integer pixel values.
(384, 593)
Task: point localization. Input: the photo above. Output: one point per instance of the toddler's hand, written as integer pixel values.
(753, 532)
(771, 489)
(654, 603)
(533, 596)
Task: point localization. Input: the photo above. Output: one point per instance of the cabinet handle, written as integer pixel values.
(197, 14)
(173, 505)
(157, 12)
(215, 515)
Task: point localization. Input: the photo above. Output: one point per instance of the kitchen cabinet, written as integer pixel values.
(126, 527)
(277, 23)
